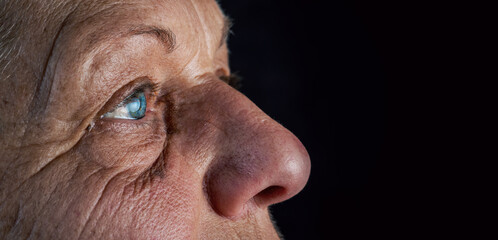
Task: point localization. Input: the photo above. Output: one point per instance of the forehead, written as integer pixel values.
(187, 19)
(190, 31)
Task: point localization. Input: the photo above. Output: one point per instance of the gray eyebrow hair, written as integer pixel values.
(168, 37)
(226, 30)
(165, 36)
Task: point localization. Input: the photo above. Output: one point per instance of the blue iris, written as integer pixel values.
(137, 105)
(133, 107)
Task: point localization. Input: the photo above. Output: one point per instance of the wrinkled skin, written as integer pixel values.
(204, 163)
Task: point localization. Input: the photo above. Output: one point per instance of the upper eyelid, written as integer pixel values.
(128, 98)
(151, 87)
(148, 88)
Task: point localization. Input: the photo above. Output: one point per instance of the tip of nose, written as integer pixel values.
(290, 180)
(281, 174)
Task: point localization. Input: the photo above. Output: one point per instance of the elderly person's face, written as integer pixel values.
(117, 122)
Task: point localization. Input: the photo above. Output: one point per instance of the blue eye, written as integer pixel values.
(133, 107)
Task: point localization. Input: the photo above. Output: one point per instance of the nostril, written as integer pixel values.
(270, 195)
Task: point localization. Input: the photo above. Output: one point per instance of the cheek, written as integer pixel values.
(165, 207)
(144, 184)
(123, 145)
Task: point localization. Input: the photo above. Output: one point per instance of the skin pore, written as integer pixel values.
(203, 163)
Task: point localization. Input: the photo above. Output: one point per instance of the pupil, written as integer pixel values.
(137, 106)
(134, 105)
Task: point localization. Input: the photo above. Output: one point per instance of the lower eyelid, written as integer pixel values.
(149, 122)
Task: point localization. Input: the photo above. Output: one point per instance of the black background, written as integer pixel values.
(359, 83)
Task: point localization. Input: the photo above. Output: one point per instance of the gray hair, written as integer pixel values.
(11, 21)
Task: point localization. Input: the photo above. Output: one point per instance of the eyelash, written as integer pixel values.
(154, 88)
(233, 80)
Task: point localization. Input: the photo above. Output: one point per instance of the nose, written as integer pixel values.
(260, 162)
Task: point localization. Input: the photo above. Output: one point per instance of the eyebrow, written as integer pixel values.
(165, 36)
(168, 37)
(226, 30)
